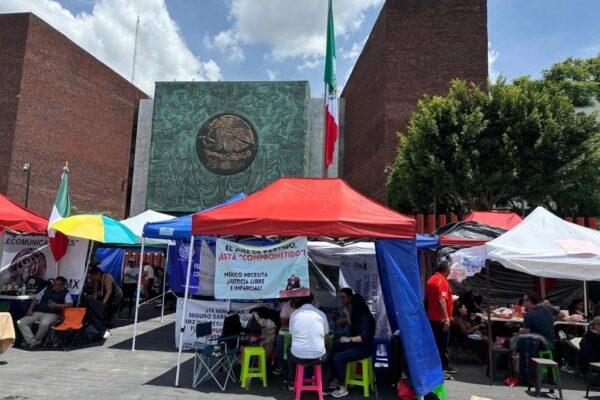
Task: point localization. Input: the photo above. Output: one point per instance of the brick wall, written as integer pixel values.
(72, 108)
(416, 47)
(13, 35)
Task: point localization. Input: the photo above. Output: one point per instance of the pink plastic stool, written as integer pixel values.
(314, 384)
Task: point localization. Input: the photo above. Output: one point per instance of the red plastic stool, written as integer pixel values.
(313, 384)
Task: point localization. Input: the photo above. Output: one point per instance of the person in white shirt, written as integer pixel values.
(308, 327)
(130, 279)
(148, 280)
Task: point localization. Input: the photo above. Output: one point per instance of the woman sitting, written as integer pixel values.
(468, 332)
(356, 346)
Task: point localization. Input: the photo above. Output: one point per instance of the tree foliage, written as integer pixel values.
(473, 150)
(578, 78)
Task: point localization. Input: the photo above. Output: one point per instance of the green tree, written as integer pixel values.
(472, 150)
(578, 78)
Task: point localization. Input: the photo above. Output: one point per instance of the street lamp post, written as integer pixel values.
(27, 168)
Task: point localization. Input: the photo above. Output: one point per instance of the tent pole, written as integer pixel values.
(162, 307)
(585, 298)
(137, 298)
(185, 300)
(87, 263)
(489, 322)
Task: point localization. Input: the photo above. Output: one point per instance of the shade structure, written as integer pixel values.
(310, 207)
(543, 245)
(136, 225)
(17, 218)
(180, 227)
(99, 228)
(499, 219)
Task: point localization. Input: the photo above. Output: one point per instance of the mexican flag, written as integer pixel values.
(331, 105)
(60, 210)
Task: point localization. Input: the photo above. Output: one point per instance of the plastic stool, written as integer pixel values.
(536, 367)
(312, 384)
(249, 372)
(439, 391)
(377, 342)
(548, 355)
(366, 379)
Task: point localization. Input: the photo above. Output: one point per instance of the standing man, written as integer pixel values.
(148, 280)
(439, 311)
(45, 309)
(342, 323)
(130, 279)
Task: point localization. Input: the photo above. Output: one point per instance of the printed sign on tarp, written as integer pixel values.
(261, 272)
(360, 273)
(26, 256)
(202, 280)
(198, 311)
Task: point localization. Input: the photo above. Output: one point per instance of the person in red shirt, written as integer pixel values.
(439, 310)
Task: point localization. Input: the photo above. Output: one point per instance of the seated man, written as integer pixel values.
(538, 326)
(308, 327)
(45, 310)
(590, 346)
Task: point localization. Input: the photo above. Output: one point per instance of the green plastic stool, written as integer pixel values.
(366, 378)
(547, 354)
(259, 371)
(439, 391)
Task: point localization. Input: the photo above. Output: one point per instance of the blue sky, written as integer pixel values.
(284, 39)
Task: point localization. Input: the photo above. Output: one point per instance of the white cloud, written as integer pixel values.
(308, 63)
(355, 51)
(271, 75)
(227, 43)
(109, 34)
(292, 28)
(492, 57)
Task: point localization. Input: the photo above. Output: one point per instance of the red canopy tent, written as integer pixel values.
(312, 207)
(500, 219)
(18, 218)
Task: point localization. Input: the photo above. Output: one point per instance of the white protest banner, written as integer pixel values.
(199, 311)
(360, 273)
(24, 256)
(261, 272)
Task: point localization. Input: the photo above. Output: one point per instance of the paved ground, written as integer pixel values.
(113, 371)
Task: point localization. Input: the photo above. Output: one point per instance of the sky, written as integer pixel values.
(188, 40)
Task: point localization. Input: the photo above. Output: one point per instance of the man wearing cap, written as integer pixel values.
(130, 279)
(590, 346)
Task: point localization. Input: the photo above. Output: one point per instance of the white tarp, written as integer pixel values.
(543, 245)
(136, 225)
(24, 256)
(358, 270)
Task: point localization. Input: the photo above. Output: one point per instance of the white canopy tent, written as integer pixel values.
(136, 225)
(543, 245)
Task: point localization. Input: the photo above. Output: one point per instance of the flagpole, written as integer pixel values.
(325, 170)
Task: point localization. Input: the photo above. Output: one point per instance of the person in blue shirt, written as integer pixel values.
(44, 309)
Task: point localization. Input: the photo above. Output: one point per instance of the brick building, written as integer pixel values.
(416, 47)
(58, 103)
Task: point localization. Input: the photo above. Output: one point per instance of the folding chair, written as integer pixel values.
(215, 356)
(69, 329)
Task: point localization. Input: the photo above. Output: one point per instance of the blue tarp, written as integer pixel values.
(111, 259)
(427, 242)
(179, 228)
(401, 286)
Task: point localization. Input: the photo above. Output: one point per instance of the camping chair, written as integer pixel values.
(216, 355)
(459, 345)
(69, 329)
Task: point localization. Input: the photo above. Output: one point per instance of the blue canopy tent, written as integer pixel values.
(176, 228)
(426, 242)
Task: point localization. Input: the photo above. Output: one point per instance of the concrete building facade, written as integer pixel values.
(416, 47)
(58, 103)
